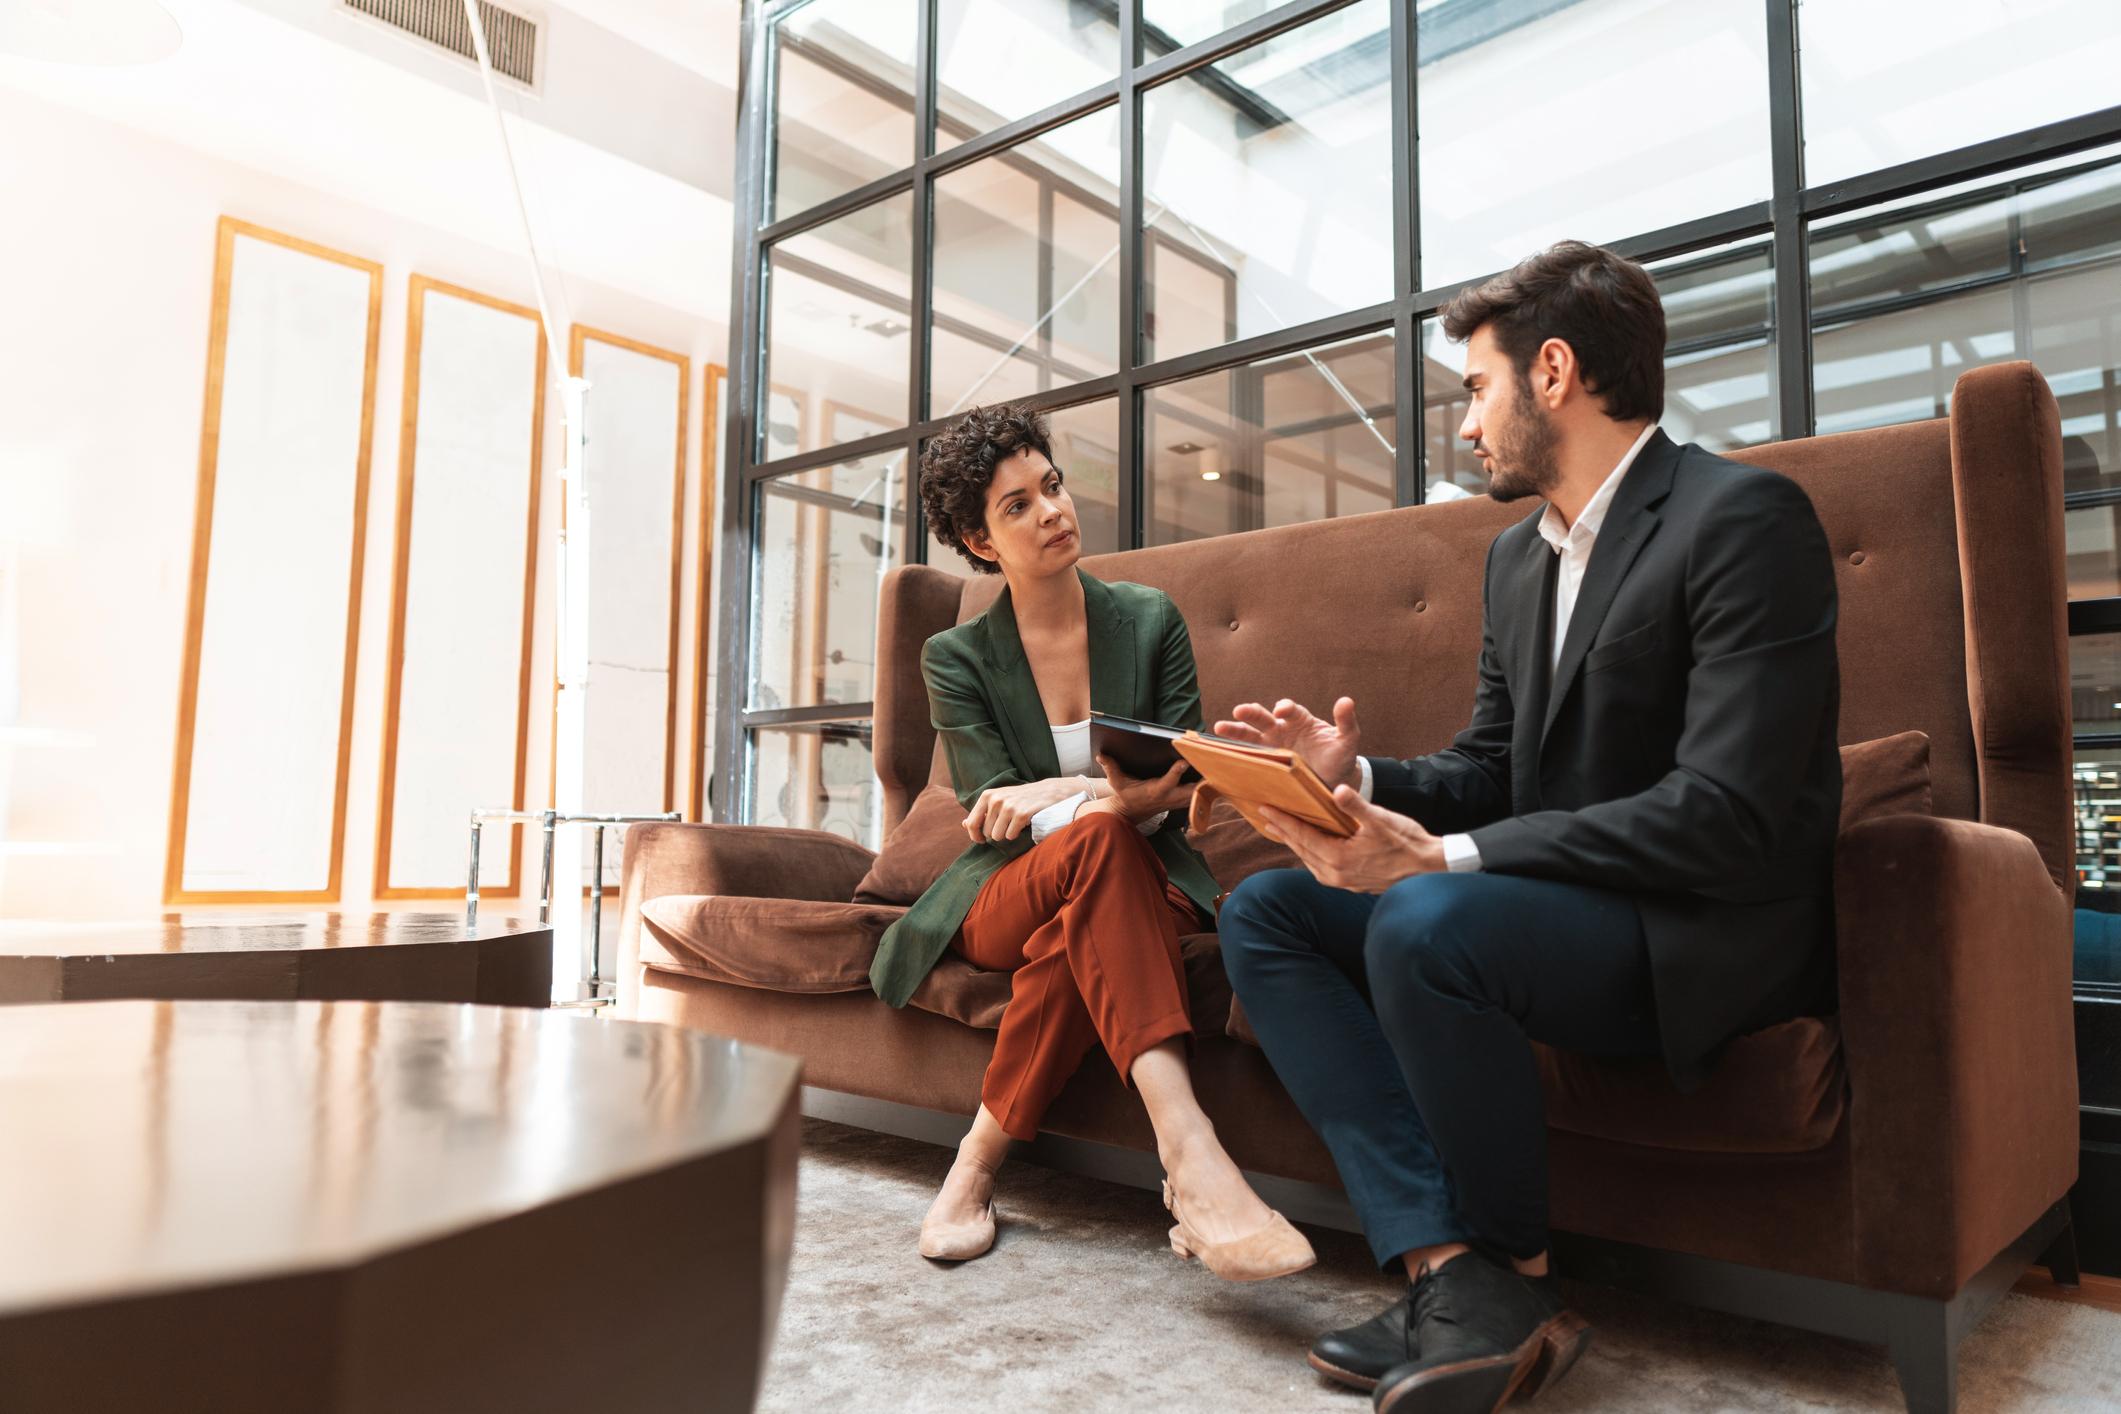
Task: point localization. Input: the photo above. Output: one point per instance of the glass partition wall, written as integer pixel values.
(1211, 237)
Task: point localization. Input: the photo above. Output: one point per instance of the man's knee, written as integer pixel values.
(1421, 937)
(1262, 900)
(1257, 914)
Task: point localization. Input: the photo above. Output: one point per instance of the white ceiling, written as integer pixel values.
(626, 153)
(699, 34)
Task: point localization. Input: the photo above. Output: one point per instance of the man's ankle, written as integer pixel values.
(1434, 1258)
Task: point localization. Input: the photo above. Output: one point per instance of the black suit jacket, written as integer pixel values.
(1684, 748)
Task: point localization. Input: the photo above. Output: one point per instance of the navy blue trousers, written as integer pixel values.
(1403, 1023)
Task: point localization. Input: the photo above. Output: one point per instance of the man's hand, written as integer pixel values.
(1329, 747)
(1138, 799)
(1384, 849)
(1003, 812)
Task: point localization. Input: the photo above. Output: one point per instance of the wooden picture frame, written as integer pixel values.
(227, 232)
(417, 291)
(580, 335)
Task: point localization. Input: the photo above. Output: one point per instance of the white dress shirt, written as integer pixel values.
(1071, 747)
(1574, 544)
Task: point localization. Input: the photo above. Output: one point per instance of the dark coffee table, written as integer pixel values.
(362, 956)
(347, 1207)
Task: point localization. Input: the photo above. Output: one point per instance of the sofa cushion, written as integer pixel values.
(1781, 1090)
(962, 992)
(1887, 776)
(781, 945)
(918, 850)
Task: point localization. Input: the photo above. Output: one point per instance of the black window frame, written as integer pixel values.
(1147, 58)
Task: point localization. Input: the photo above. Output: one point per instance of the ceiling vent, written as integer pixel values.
(511, 39)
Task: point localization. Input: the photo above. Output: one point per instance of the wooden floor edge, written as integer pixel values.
(2102, 1292)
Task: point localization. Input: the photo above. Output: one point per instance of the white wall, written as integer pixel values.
(106, 269)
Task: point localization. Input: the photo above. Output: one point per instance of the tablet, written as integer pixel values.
(1143, 750)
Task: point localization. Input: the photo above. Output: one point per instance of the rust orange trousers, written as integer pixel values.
(1089, 924)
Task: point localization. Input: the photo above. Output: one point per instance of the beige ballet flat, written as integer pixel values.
(958, 1242)
(1275, 1250)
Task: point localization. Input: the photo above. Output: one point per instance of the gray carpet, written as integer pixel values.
(1081, 1306)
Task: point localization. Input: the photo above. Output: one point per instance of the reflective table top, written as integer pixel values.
(251, 932)
(150, 1145)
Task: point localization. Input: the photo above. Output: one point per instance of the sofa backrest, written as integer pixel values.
(1947, 545)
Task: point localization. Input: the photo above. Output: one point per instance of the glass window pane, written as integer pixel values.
(1085, 441)
(2093, 559)
(1501, 82)
(1297, 438)
(1268, 183)
(1907, 300)
(1018, 237)
(842, 99)
(1173, 24)
(1085, 288)
(1885, 84)
(972, 372)
(837, 302)
(823, 540)
(1899, 366)
(997, 62)
(1907, 253)
(2075, 323)
(1719, 311)
(2070, 219)
(817, 777)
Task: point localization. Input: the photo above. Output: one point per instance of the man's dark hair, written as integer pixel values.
(957, 467)
(1602, 305)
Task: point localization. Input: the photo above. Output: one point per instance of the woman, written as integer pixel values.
(1079, 885)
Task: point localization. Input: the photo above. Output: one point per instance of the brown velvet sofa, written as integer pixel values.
(1882, 1174)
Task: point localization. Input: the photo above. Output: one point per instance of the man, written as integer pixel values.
(1628, 852)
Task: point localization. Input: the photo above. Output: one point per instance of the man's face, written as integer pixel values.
(1511, 433)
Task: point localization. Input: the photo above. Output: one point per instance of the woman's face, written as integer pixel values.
(1030, 526)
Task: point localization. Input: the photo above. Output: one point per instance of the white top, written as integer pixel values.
(1071, 747)
(1574, 545)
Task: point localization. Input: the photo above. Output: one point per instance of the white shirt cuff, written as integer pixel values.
(1059, 813)
(1460, 855)
(1154, 823)
(1367, 782)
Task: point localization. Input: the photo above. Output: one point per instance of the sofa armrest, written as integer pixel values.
(1954, 959)
(745, 861)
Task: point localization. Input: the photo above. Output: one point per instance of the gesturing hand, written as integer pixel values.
(1002, 812)
(1329, 747)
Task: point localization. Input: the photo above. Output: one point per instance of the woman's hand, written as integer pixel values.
(1003, 812)
(1139, 799)
(1329, 747)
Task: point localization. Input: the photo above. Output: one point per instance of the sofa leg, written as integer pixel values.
(1926, 1356)
(2060, 1258)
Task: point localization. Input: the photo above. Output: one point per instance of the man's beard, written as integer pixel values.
(1523, 463)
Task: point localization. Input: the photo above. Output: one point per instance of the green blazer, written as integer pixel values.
(985, 706)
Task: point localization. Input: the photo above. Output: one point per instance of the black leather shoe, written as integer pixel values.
(1357, 1355)
(1486, 1334)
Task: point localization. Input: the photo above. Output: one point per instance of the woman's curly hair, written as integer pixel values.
(957, 467)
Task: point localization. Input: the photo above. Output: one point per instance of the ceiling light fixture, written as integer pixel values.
(1211, 476)
(105, 33)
